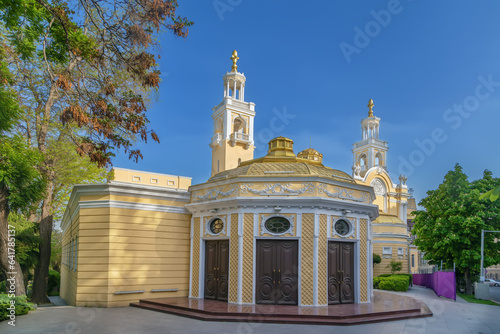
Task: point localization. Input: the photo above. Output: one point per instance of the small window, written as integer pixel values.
(216, 226)
(400, 251)
(277, 225)
(154, 181)
(387, 251)
(342, 227)
(136, 178)
(413, 260)
(170, 183)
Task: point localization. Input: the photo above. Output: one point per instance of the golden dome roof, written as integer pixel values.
(388, 219)
(280, 161)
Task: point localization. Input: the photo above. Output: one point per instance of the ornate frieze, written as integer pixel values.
(271, 189)
(341, 193)
(214, 193)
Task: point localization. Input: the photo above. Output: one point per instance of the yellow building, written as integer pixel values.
(391, 239)
(279, 229)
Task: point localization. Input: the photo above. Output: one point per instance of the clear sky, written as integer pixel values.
(432, 69)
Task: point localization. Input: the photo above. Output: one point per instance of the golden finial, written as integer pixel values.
(234, 58)
(370, 106)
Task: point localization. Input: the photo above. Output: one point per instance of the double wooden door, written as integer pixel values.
(217, 269)
(276, 272)
(340, 272)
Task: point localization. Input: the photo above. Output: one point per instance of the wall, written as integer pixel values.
(127, 243)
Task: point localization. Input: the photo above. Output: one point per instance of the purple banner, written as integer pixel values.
(443, 283)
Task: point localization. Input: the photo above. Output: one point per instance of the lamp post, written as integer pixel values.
(481, 275)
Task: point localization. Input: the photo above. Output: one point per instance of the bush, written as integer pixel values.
(22, 306)
(376, 259)
(392, 282)
(53, 283)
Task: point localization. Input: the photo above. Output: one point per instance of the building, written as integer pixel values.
(391, 238)
(279, 229)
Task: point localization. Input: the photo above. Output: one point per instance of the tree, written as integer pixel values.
(395, 266)
(376, 259)
(86, 70)
(449, 229)
(21, 187)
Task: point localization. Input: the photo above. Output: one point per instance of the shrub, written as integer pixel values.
(392, 282)
(22, 306)
(376, 259)
(53, 283)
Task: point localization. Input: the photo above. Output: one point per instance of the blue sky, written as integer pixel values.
(432, 69)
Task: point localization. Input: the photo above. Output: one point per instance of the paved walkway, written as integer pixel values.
(449, 317)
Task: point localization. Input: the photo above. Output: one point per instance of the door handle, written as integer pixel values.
(279, 279)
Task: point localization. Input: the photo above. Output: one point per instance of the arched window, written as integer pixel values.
(378, 160)
(239, 125)
(362, 160)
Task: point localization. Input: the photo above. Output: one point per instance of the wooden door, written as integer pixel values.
(340, 272)
(276, 276)
(217, 269)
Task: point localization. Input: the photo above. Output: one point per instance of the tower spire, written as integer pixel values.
(370, 107)
(234, 58)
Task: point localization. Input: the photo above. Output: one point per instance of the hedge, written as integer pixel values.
(22, 306)
(392, 282)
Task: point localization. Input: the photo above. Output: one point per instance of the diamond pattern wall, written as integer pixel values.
(363, 258)
(322, 262)
(247, 281)
(233, 259)
(307, 258)
(195, 286)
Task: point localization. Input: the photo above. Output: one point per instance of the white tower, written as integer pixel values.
(370, 151)
(233, 118)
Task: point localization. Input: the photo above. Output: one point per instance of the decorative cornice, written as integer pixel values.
(277, 189)
(214, 193)
(341, 193)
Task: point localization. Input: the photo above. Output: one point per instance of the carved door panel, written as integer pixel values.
(217, 269)
(333, 273)
(211, 269)
(223, 270)
(287, 262)
(340, 272)
(347, 287)
(266, 272)
(276, 276)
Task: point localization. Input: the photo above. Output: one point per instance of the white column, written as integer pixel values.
(242, 92)
(250, 129)
(226, 93)
(234, 89)
(240, 257)
(315, 260)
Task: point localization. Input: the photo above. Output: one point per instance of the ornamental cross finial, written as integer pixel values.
(370, 106)
(234, 58)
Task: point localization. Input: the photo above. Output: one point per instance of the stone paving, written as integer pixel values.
(449, 317)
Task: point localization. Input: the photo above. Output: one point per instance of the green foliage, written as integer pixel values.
(21, 306)
(376, 259)
(54, 282)
(392, 283)
(395, 266)
(472, 299)
(492, 194)
(27, 241)
(19, 175)
(449, 229)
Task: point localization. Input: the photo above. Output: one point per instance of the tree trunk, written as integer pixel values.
(468, 285)
(9, 266)
(39, 294)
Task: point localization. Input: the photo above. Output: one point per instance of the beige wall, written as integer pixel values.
(122, 249)
(68, 289)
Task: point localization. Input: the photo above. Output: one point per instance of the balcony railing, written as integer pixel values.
(239, 137)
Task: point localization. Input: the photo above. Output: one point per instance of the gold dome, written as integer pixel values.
(388, 219)
(310, 154)
(281, 161)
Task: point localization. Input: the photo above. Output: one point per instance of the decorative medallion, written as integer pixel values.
(378, 187)
(276, 224)
(215, 226)
(343, 227)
